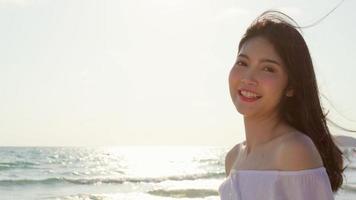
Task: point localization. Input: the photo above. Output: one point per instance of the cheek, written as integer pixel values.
(274, 84)
(234, 77)
(234, 80)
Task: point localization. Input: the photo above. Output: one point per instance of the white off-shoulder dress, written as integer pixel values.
(309, 184)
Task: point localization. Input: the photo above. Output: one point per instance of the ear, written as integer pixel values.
(290, 93)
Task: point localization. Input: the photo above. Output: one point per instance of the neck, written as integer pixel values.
(262, 130)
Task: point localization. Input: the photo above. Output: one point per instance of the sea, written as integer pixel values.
(124, 173)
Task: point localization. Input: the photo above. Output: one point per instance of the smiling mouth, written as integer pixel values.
(248, 95)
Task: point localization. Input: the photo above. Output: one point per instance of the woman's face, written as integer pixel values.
(258, 79)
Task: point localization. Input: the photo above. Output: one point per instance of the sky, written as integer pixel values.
(149, 72)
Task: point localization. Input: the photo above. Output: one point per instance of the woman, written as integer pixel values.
(289, 152)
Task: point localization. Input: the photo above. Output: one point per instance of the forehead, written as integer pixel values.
(259, 48)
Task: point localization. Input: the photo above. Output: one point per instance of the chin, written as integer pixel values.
(247, 111)
(244, 112)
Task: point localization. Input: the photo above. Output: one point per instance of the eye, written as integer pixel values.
(268, 69)
(240, 63)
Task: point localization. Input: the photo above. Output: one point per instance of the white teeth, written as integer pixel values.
(248, 94)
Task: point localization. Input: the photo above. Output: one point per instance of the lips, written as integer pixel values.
(248, 95)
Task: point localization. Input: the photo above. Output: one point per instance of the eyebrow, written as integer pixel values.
(262, 60)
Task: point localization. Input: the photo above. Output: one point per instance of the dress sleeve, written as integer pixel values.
(307, 186)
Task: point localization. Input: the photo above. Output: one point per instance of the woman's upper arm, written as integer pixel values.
(230, 158)
(298, 153)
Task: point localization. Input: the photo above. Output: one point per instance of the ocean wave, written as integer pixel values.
(91, 181)
(349, 187)
(185, 193)
(81, 197)
(13, 182)
(17, 165)
(109, 196)
(177, 193)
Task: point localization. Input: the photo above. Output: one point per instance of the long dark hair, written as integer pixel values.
(303, 110)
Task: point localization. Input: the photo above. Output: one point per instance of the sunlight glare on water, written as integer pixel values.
(158, 161)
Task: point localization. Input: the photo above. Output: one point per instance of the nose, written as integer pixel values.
(249, 79)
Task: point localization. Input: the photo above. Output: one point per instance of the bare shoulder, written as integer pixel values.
(298, 152)
(230, 158)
